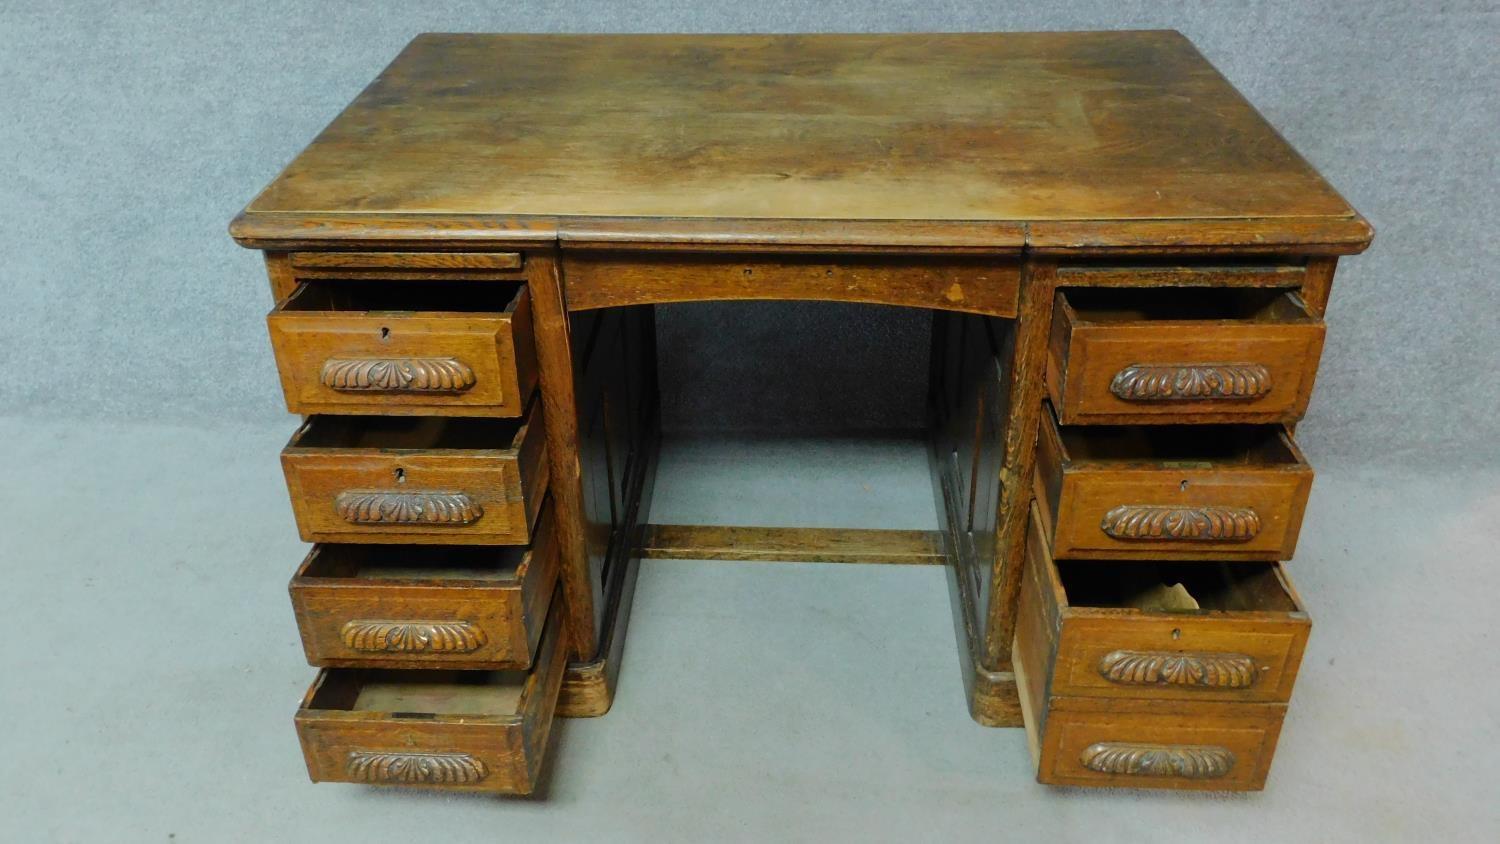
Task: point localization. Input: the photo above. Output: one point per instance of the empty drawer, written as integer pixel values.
(414, 606)
(410, 348)
(456, 730)
(1171, 492)
(436, 480)
(1181, 355)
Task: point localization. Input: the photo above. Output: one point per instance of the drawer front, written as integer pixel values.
(500, 754)
(1160, 508)
(1209, 747)
(1181, 371)
(406, 364)
(488, 497)
(987, 285)
(1170, 514)
(414, 623)
(1218, 656)
(441, 499)
(478, 266)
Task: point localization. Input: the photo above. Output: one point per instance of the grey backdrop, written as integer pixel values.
(131, 134)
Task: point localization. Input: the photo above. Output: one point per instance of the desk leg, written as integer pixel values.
(589, 687)
(560, 406)
(630, 383)
(1028, 371)
(953, 432)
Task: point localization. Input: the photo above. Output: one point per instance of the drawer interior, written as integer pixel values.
(418, 694)
(1176, 304)
(409, 433)
(407, 563)
(1179, 445)
(404, 296)
(1215, 587)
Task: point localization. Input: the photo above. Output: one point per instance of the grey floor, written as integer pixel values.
(151, 667)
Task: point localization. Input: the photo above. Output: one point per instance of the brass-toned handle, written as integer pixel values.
(381, 636)
(382, 507)
(379, 766)
(1189, 761)
(1168, 668)
(397, 375)
(1192, 382)
(1203, 523)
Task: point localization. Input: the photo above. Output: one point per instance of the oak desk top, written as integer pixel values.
(1100, 140)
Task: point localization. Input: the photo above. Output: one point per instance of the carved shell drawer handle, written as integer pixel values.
(1194, 762)
(380, 636)
(1191, 382)
(380, 507)
(377, 766)
(1203, 523)
(397, 375)
(1168, 668)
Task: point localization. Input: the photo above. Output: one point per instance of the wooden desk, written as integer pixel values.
(1128, 270)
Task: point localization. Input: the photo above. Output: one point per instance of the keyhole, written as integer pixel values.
(385, 334)
(1176, 633)
(400, 476)
(749, 272)
(1182, 487)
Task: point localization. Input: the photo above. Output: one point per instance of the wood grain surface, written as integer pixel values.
(497, 137)
(808, 545)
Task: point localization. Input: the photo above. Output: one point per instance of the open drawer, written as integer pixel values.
(438, 480)
(1170, 675)
(1171, 492)
(1181, 355)
(405, 347)
(1234, 631)
(418, 606)
(456, 730)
